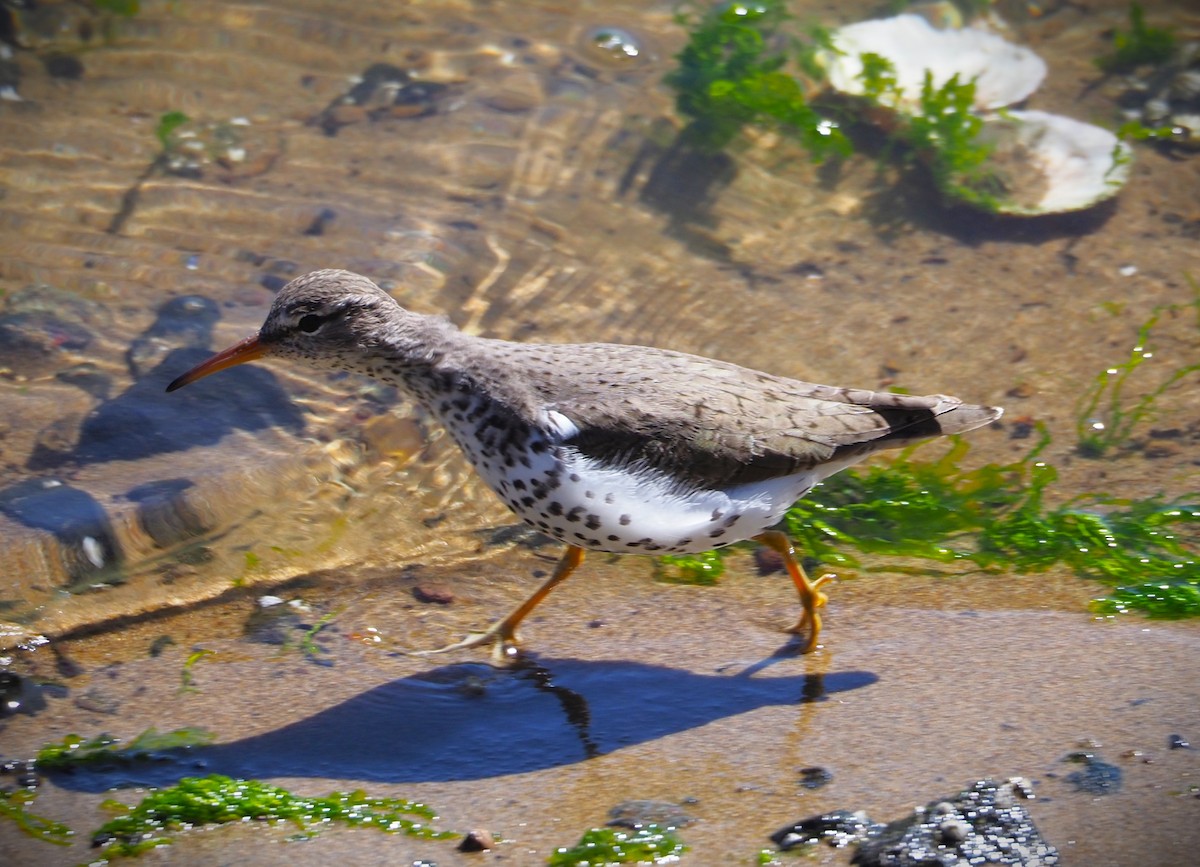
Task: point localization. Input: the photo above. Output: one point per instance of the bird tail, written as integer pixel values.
(955, 417)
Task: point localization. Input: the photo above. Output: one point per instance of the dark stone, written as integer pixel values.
(19, 695)
(79, 523)
(1096, 777)
(478, 840)
(87, 377)
(25, 771)
(375, 76)
(158, 645)
(66, 66)
(320, 222)
(32, 343)
(274, 624)
(273, 282)
(814, 777)
(839, 828)
(27, 777)
(433, 593)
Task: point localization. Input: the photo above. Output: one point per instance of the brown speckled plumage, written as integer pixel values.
(603, 446)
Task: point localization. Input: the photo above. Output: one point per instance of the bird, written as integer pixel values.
(604, 447)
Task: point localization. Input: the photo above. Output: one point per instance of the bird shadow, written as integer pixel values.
(473, 722)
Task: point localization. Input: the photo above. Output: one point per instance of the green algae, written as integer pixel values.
(649, 844)
(308, 643)
(731, 73)
(997, 517)
(1104, 419)
(168, 125)
(944, 134)
(187, 680)
(777, 858)
(879, 80)
(218, 799)
(1141, 45)
(75, 751)
(124, 8)
(1010, 516)
(946, 130)
(1164, 600)
(14, 806)
(704, 568)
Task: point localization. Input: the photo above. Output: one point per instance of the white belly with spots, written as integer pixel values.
(555, 489)
(603, 509)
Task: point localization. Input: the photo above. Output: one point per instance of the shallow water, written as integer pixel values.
(541, 200)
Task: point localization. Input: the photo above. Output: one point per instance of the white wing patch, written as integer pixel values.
(559, 425)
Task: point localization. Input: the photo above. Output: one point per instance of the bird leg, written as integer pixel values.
(502, 634)
(811, 597)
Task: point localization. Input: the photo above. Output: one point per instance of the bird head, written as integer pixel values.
(319, 316)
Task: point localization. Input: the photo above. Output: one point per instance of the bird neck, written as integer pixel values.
(423, 355)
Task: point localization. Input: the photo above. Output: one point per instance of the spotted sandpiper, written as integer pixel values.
(605, 447)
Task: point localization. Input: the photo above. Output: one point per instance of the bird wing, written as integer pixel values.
(716, 424)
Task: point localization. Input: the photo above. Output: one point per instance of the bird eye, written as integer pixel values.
(310, 323)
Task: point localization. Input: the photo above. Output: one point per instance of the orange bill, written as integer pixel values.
(246, 350)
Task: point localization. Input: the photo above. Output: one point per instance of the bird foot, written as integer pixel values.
(812, 599)
(503, 641)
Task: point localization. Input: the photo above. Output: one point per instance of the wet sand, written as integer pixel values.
(683, 698)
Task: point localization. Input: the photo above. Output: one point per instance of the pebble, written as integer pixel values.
(815, 777)
(640, 813)
(435, 594)
(768, 562)
(97, 700)
(478, 840)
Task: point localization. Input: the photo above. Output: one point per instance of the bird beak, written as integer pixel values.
(247, 350)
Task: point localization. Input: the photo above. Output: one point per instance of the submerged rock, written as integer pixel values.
(383, 91)
(1167, 98)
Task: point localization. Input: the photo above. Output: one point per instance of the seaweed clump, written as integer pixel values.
(75, 751)
(648, 844)
(734, 71)
(996, 517)
(731, 73)
(744, 64)
(14, 806)
(218, 799)
(1141, 45)
(1002, 516)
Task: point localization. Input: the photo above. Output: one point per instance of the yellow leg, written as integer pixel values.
(502, 634)
(811, 597)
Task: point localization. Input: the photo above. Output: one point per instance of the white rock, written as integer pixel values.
(1004, 73)
(1052, 163)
